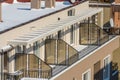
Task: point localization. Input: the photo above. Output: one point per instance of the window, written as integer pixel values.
(106, 69)
(72, 35)
(71, 12)
(86, 75)
(36, 48)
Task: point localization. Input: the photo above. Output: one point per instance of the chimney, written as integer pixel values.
(35, 4)
(49, 3)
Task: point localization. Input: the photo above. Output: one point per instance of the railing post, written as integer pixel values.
(67, 55)
(27, 65)
(39, 69)
(98, 40)
(56, 53)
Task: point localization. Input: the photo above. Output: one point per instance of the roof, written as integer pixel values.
(52, 28)
(19, 13)
(117, 4)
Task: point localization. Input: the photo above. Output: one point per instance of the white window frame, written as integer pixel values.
(109, 57)
(89, 74)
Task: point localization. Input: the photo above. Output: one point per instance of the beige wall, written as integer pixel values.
(28, 28)
(117, 1)
(88, 63)
(100, 19)
(25, 29)
(106, 14)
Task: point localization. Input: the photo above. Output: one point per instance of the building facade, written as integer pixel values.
(67, 44)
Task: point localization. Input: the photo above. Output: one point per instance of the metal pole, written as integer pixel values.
(27, 64)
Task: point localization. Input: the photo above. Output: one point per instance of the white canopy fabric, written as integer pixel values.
(52, 28)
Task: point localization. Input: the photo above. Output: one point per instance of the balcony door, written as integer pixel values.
(106, 68)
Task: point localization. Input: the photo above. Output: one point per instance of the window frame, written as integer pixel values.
(89, 74)
(71, 12)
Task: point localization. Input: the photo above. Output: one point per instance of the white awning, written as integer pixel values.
(52, 28)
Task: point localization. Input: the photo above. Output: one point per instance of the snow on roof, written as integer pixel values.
(18, 13)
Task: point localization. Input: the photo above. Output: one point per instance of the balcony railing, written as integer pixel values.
(31, 66)
(58, 52)
(92, 34)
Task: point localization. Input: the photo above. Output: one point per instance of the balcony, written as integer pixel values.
(91, 34)
(58, 52)
(59, 55)
(29, 65)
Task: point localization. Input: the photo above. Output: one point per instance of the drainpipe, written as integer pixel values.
(2, 50)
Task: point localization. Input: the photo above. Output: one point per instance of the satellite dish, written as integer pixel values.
(111, 22)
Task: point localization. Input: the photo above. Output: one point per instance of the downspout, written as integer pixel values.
(2, 50)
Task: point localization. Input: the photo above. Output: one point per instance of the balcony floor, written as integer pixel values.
(83, 51)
